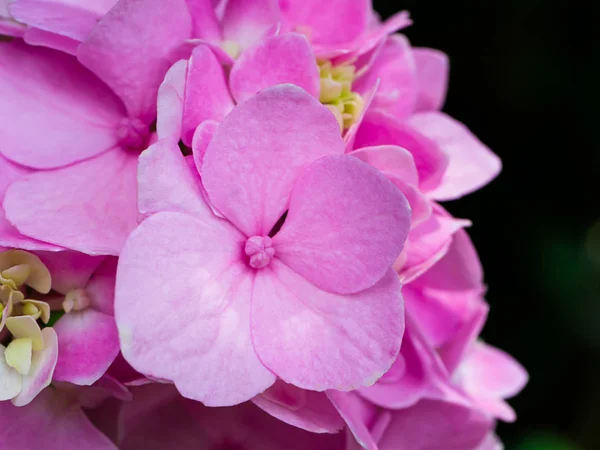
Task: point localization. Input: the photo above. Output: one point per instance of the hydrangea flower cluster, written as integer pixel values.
(220, 228)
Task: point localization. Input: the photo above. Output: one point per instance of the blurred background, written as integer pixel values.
(537, 226)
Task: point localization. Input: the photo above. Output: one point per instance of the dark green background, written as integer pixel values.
(521, 76)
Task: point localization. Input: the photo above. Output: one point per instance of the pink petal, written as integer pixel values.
(9, 236)
(358, 414)
(471, 164)
(491, 375)
(88, 207)
(379, 128)
(346, 225)
(286, 58)
(433, 68)
(246, 21)
(206, 93)
(202, 137)
(170, 102)
(311, 411)
(459, 269)
(59, 425)
(313, 339)
(391, 160)
(88, 342)
(398, 165)
(395, 68)
(101, 287)
(10, 386)
(186, 275)
(35, 36)
(56, 95)
(9, 26)
(205, 23)
(453, 352)
(428, 243)
(74, 21)
(412, 378)
(332, 23)
(42, 368)
(166, 183)
(70, 270)
(133, 46)
(259, 151)
(459, 428)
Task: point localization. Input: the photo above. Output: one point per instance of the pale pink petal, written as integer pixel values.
(433, 67)
(317, 340)
(56, 95)
(390, 160)
(359, 415)
(345, 227)
(246, 21)
(9, 26)
(70, 270)
(379, 32)
(202, 137)
(88, 207)
(471, 166)
(453, 351)
(491, 442)
(170, 102)
(332, 23)
(259, 151)
(183, 308)
(405, 383)
(311, 411)
(9, 235)
(459, 269)
(73, 21)
(35, 36)
(420, 205)
(490, 376)
(286, 58)
(101, 287)
(428, 243)
(379, 128)
(429, 423)
(440, 314)
(10, 379)
(88, 343)
(42, 366)
(395, 68)
(166, 183)
(59, 425)
(206, 93)
(133, 46)
(205, 23)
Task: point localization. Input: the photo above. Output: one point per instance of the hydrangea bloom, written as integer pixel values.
(256, 184)
(290, 297)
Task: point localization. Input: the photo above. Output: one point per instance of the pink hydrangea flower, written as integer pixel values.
(87, 333)
(304, 303)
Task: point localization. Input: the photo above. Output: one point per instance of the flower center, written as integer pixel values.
(132, 133)
(336, 92)
(260, 251)
(76, 300)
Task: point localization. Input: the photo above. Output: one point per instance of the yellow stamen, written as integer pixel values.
(76, 300)
(29, 309)
(336, 92)
(232, 48)
(18, 355)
